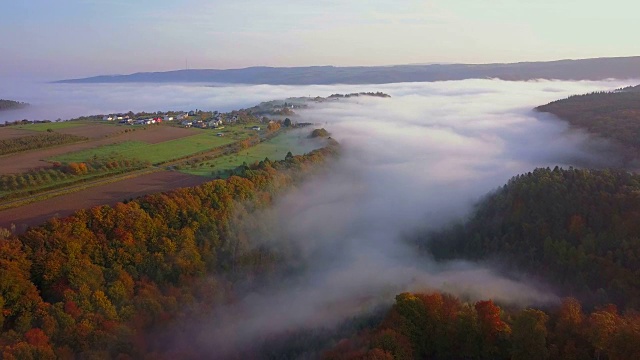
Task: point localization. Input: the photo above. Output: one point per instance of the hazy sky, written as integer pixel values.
(66, 38)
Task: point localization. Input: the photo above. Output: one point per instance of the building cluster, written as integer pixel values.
(196, 119)
(217, 121)
(142, 120)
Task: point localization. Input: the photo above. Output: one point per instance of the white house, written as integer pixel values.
(214, 123)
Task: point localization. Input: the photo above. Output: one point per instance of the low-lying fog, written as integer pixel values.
(51, 101)
(417, 160)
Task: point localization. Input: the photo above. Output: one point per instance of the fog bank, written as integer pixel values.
(64, 101)
(416, 161)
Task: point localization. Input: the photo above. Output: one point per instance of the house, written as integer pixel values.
(107, 118)
(168, 118)
(215, 123)
(186, 123)
(257, 128)
(182, 116)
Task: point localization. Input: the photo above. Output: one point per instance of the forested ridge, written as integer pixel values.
(95, 284)
(577, 229)
(440, 326)
(614, 115)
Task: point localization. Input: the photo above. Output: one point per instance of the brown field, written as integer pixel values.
(92, 131)
(9, 133)
(39, 212)
(28, 160)
(153, 133)
(157, 134)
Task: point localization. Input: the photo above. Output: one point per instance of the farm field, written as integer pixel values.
(295, 141)
(13, 132)
(113, 148)
(24, 161)
(154, 153)
(93, 131)
(110, 194)
(12, 187)
(53, 125)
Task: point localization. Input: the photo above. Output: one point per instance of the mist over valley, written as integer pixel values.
(415, 162)
(327, 180)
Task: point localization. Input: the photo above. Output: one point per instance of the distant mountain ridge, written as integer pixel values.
(584, 69)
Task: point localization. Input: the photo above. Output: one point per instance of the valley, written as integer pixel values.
(182, 228)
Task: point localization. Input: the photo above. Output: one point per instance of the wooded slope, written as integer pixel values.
(577, 229)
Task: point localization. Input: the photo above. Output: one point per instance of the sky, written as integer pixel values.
(76, 38)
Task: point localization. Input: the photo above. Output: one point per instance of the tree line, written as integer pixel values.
(440, 326)
(11, 104)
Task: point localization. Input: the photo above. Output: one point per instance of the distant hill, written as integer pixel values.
(586, 69)
(11, 104)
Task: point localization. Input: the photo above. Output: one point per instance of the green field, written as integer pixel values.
(161, 152)
(296, 141)
(154, 153)
(51, 125)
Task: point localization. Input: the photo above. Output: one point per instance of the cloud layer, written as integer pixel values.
(416, 161)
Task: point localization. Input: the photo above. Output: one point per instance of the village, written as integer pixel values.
(268, 114)
(197, 118)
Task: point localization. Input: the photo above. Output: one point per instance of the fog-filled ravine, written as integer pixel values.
(418, 160)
